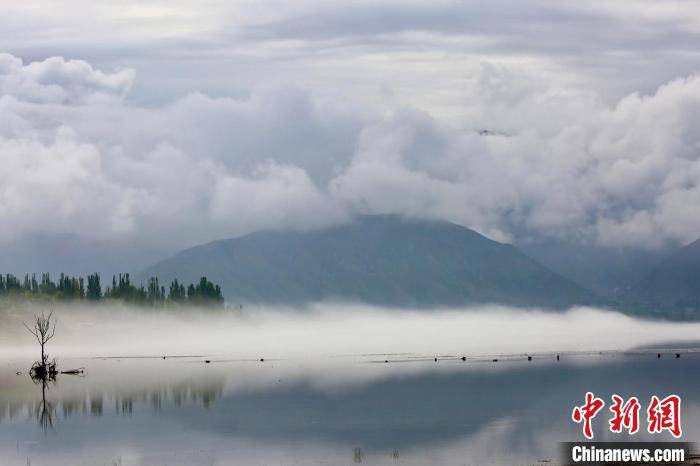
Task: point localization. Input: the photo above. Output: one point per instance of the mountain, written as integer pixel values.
(385, 260)
(674, 283)
(607, 270)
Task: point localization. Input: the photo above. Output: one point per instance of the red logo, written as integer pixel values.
(665, 415)
(625, 415)
(586, 412)
(662, 415)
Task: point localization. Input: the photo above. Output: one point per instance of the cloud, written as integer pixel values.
(557, 162)
(58, 186)
(79, 159)
(56, 80)
(419, 52)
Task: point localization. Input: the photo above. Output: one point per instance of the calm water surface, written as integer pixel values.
(338, 410)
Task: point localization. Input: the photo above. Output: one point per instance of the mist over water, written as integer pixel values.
(329, 330)
(324, 392)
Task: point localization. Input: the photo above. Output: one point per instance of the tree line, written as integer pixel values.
(203, 293)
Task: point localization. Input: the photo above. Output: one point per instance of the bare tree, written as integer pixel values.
(44, 329)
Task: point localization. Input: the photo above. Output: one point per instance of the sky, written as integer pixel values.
(179, 122)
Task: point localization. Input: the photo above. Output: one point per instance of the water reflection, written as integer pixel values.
(94, 396)
(45, 410)
(449, 412)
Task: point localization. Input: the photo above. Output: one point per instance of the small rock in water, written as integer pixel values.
(678, 355)
(386, 360)
(495, 360)
(529, 358)
(207, 361)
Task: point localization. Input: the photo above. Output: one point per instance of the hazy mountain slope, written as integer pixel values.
(675, 281)
(378, 259)
(608, 271)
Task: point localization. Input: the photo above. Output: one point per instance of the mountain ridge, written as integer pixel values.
(674, 282)
(382, 260)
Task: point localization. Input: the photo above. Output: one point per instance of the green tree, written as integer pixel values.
(94, 288)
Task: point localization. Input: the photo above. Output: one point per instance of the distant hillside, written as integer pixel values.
(674, 283)
(382, 260)
(606, 270)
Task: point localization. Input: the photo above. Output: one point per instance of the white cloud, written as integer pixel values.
(566, 165)
(560, 161)
(196, 170)
(58, 186)
(56, 80)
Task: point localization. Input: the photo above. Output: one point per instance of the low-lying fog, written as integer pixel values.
(334, 330)
(323, 391)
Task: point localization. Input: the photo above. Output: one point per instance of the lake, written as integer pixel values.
(332, 409)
